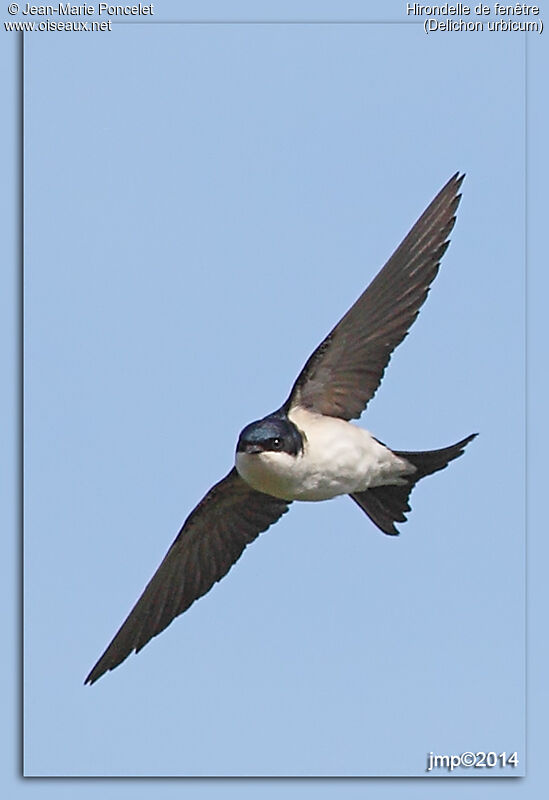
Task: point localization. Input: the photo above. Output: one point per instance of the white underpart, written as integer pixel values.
(338, 458)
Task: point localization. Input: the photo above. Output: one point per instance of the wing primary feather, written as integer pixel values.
(227, 519)
(343, 373)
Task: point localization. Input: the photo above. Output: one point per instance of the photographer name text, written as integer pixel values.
(86, 10)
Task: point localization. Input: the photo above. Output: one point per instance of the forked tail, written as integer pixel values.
(386, 505)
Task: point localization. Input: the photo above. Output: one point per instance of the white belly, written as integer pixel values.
(338, 458)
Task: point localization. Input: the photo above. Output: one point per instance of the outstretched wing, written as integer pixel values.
(345, 370)
(213, 537)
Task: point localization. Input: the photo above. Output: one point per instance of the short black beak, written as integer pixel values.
(249, 447)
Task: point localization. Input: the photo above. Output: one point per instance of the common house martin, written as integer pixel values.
(307, 449)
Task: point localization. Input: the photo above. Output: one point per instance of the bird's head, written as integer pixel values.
(272, 434)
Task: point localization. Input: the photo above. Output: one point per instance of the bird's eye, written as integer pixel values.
(276, 443)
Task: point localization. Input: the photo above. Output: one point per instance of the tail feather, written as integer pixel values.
(386, 505)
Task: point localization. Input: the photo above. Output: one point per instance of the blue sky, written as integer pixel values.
(202, 204)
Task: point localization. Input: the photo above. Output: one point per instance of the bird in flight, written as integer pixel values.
(307, 449)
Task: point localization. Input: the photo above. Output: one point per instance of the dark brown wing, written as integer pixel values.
(213, 537)
(345, 370)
